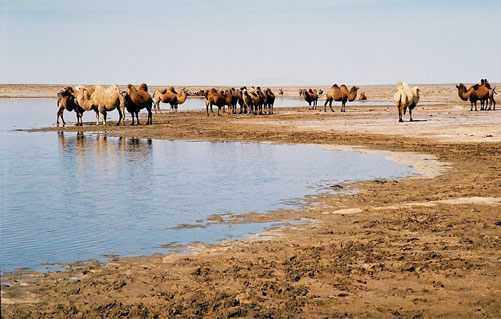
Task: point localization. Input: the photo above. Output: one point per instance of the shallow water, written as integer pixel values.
(68, 197)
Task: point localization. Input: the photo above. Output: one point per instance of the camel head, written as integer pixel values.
(66, 99)
(416, 90)
(463, 93)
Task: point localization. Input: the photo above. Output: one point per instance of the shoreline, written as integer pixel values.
(393, 247)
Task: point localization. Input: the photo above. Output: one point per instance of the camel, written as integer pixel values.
(280, 92)
(492, 98)
(340, 94)
(248, 102)
(65, 101)
(362, 97)
(170, 96)
(260, 100)
(83, 98)
(477, 92)
(311, 97)
(106, 99)
(99, 99)
(491, 102)
(406, 98)
(333, 94)
(352, 94)
(214, 97)
(269, 100)
(135, 100)
(234, 98)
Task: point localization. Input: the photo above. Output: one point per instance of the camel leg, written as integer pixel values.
(120, 116)
(400, 113)
(97, 117)
(410, 115)
(132, 115)
(60, 114)
(150, 116)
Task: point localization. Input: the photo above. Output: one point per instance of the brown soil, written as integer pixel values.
(412, 248)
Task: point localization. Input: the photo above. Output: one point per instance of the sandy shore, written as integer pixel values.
(416, 247)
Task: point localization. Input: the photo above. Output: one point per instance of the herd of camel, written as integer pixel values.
(482, 92)
(253, 100)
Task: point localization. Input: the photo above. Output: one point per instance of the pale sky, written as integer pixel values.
(262, 42)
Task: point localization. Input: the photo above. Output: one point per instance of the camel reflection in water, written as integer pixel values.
(106, 152)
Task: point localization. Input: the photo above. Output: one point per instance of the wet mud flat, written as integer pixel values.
(416, 247)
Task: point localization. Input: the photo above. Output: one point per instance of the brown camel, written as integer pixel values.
(333, 94)
(137, 99)
(311, 97)
(362, 97)
(491, 103)
(66, 101)
(352, 95)
(340, 94)
(214, 97)
(269, 100)
(170, 96)
(234, 98)
(477, 92)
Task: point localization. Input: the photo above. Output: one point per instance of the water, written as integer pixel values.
(68, 197)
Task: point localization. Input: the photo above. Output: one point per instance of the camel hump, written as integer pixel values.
(143, 87)
(172, 89)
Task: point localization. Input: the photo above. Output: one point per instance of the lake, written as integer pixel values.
(68, 197)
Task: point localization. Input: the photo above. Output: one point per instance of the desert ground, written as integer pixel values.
(424, 246)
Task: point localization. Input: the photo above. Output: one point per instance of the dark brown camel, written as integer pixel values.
(135, 100)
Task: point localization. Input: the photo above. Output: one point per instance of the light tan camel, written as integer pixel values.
(406, 98)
